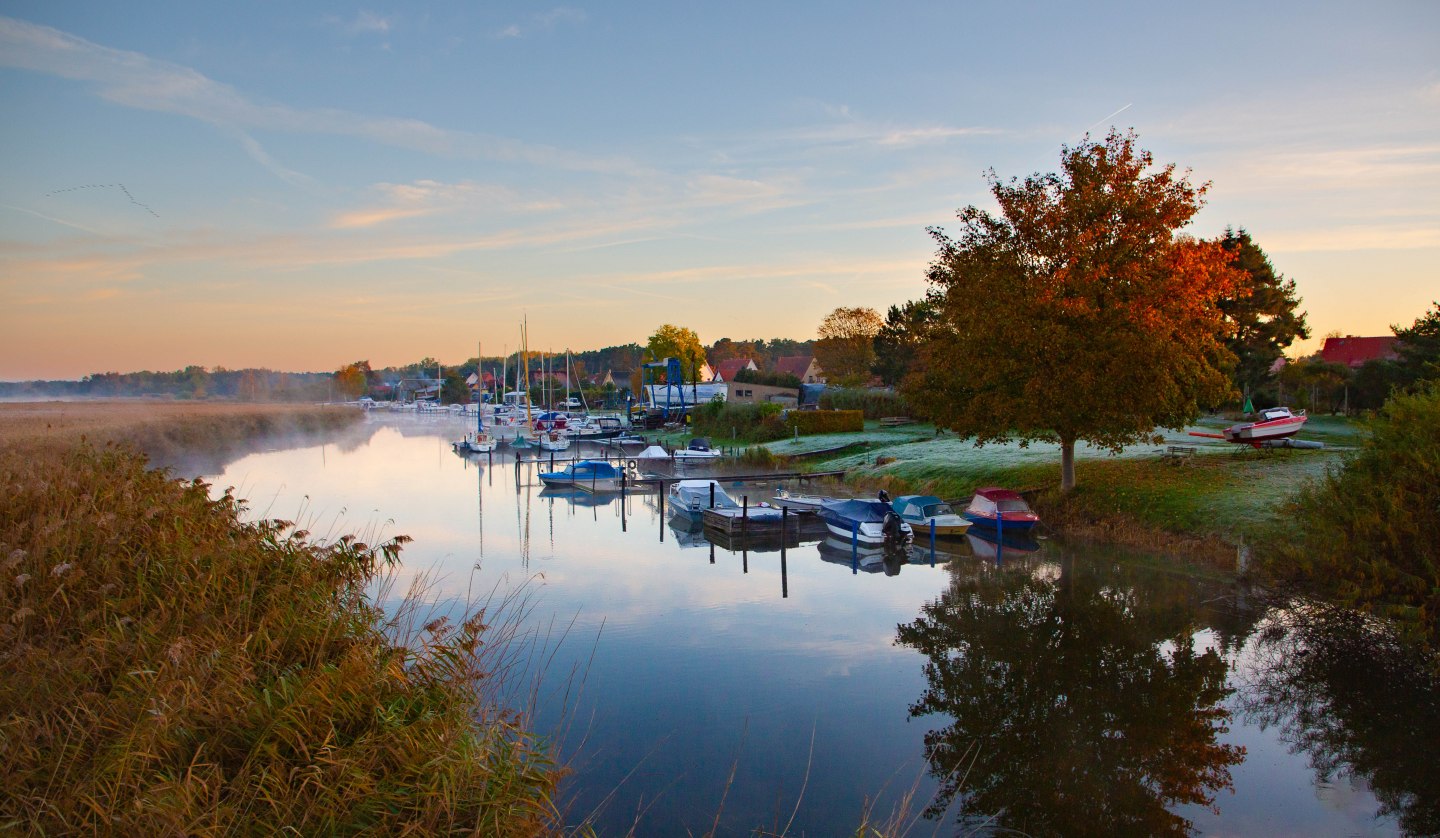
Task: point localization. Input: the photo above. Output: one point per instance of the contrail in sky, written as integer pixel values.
(1110, 117)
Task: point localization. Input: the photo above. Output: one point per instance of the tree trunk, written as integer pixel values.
(1067, 464)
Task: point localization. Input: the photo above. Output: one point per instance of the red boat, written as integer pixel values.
(1274, 423)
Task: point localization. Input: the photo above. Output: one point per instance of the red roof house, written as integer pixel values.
(802, 367)
(726, 369)
(1355, 352)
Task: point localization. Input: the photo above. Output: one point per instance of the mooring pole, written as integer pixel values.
(712, 494)
(855, 548)
(932, 542)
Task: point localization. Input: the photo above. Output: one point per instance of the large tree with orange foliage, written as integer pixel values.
(1079, 314)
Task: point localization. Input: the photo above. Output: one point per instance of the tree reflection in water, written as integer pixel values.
(1357, 702)
(1078, 702)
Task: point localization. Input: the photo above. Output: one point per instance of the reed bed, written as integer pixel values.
(163, 430)
(168, 668)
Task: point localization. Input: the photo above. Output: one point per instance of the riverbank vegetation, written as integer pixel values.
(169, 667)
(1368, 535)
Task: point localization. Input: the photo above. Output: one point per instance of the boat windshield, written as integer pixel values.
(1012, 506)
(936, 509)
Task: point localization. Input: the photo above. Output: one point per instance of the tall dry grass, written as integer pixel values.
(167, 668)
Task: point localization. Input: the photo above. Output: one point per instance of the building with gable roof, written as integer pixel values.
(802, 367)
(727, 369)
(1355, 352)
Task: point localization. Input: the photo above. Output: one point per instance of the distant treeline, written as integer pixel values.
(193, 382)
(264, 385)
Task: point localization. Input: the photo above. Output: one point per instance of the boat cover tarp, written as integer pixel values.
(863, 511)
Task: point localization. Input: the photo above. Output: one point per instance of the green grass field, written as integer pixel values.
(1224, 493)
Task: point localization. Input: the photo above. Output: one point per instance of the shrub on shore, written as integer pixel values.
(1368, 535)
(168, 668)
(876, 404)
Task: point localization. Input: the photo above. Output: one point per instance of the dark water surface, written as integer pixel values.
(1056, 690)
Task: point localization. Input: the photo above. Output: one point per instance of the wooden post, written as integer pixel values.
(932, 542)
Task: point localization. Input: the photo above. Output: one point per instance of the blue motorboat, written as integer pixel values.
(590, 475)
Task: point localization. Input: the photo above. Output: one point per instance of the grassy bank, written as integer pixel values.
(1203, 505)
(170, 669)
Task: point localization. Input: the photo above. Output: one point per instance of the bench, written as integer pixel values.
(895, 421)
(1178, 453)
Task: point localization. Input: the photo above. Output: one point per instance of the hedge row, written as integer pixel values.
(826, 421)
(874, 403)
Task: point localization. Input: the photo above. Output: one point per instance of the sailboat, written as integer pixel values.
(527, 437)
(482, 442)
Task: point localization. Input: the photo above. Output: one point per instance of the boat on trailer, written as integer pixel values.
(1274, 423)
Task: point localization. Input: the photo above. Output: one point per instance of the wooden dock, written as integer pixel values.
(664, 480)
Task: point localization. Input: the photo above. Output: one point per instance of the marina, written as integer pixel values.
(800, 660)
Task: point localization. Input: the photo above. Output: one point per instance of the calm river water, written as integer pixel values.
(1060, 690)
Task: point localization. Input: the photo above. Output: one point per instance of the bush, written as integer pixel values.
(826, 421)
(170, 669)
(748, 422)
(1368, 534)
(875, 404)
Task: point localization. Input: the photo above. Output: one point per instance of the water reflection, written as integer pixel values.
(1358, 703)
(1075, 703)
(1090, 687)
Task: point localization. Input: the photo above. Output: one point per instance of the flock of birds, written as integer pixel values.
(119, 186)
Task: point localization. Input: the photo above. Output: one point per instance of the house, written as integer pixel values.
(726, 369)
(1355, 352)
(802, 367)
(757, 393)
(601, 381)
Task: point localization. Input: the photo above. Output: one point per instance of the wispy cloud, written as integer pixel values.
(137, 81)
(367, 21)
(543, 22)
(430, 197)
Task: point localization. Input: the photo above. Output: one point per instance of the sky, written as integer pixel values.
(299, 185)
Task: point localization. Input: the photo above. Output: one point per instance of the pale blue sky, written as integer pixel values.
(308, 184)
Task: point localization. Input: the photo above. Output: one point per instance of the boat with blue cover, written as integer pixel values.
(865, 521)
(590, 475)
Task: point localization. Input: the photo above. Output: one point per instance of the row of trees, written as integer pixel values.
(192, 382)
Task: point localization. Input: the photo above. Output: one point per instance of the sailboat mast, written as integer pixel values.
(525, 365)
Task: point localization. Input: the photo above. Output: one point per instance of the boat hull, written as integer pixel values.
(1005, 523)
(1253, 432)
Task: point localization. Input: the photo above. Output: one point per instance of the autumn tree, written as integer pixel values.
(353, 380)
(677, 342)
(898, 341)
(1262, 314)
(1079, 314)
(845, 347)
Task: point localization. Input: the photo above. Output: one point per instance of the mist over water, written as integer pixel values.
(999, 689)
